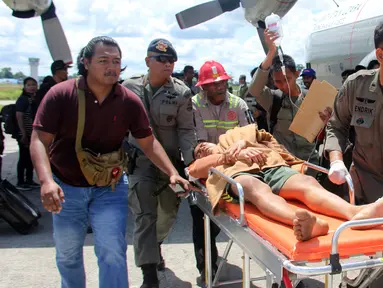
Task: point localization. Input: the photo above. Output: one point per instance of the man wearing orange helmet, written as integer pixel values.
(215, 109)
(215, 112)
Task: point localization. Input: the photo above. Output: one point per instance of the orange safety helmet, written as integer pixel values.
(211, 72)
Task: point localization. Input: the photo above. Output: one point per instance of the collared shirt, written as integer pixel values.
(171, 113)
(106, 124)
(209, 124)
(359, 104)
(265, 96)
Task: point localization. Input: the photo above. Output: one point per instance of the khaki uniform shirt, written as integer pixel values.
(170, 112)
(242, 91)
(294, 143)
(359, 104)
(210, 124)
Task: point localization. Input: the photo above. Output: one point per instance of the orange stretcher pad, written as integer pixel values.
(351, 242)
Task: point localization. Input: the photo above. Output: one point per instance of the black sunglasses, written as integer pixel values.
(164, 59)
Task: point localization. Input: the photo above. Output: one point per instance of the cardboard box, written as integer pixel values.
(307, 122)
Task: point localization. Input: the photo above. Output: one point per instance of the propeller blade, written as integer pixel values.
(198, 14)
(204, 12)
(55, 36)
(261, 29)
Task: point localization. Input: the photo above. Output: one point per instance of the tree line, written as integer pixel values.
(6, 72)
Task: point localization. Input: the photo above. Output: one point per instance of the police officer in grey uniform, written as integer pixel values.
(279, 104)
(359, 104)
(169, 106)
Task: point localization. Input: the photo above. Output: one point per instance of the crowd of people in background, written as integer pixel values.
(176, 113)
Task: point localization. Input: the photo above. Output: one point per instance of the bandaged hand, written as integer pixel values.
(252, 155)
(338, 172)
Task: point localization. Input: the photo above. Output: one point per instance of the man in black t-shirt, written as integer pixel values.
(60, 73)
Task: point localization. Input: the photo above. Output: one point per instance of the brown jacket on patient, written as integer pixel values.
(276, 155)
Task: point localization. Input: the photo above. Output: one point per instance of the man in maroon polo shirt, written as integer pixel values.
(110, 112)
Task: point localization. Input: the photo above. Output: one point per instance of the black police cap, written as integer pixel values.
(163, 47)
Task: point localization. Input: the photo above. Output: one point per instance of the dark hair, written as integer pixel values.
(27, 79)
(253, 72)
(288, 61)
(88, 51)
(372, 64)
(80, 63)
(347, 72)
(47, 79)
(187, 68)
(359, 67)
(378, 36)
(25, 82)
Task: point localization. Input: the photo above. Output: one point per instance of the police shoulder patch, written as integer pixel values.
(179, 82)
(362, 73)
(181, 88)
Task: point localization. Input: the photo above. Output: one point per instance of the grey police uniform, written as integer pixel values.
(294, 143)
(171, 115)
(359, 104)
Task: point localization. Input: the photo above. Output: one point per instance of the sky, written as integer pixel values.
(228, 39)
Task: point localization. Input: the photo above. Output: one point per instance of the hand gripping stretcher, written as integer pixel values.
(285, 260)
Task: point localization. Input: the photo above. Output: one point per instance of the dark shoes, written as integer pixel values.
(32, 184)
(28, 185)
(161, 265)
(201, 280)
(23, 186)
(149, 273)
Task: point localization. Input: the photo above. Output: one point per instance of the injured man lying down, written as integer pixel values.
(265, 169)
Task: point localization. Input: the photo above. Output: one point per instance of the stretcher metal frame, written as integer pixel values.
(277, 267)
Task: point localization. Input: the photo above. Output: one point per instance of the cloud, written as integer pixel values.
(228, 38)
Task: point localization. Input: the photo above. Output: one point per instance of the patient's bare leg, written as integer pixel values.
(307, 190)
(374, 210)
(276, 208)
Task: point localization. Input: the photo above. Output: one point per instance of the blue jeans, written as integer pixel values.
(107, 213)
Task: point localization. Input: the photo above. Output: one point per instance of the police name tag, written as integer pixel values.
(363, 115)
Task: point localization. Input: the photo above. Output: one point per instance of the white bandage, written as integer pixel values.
(338, 172)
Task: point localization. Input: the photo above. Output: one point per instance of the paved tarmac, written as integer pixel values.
(28, 261)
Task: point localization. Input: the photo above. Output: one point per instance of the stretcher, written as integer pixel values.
(274, 248)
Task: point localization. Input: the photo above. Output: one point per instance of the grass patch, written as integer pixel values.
(10, 91)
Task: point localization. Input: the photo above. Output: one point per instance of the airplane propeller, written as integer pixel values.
(205, 11)
(255, 12)
(53, 31)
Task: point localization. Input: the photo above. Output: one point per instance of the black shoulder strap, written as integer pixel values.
(276, 106)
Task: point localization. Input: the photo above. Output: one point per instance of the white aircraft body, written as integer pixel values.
(343, 38)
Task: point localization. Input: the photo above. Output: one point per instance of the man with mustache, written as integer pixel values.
(77, 137)
(308, 75)
(168, 103)
(215, 111)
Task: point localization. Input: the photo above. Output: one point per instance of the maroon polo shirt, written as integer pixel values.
(105, 125)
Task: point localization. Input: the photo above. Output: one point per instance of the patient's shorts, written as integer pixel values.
(275, 178)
